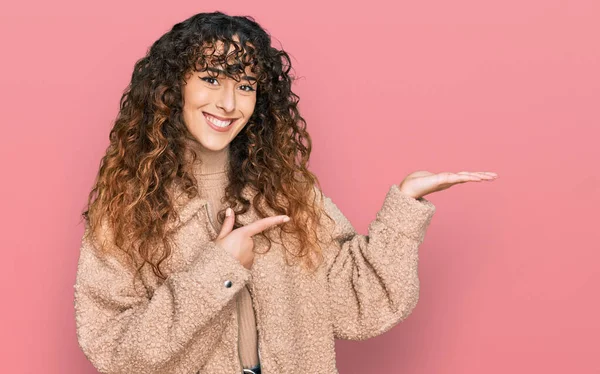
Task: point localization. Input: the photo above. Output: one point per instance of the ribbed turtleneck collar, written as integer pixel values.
(210, 167)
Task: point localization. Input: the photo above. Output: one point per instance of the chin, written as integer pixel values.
(214, 146)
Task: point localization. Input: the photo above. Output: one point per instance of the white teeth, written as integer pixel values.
(217, 122)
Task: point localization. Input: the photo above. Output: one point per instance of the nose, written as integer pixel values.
(226, 98)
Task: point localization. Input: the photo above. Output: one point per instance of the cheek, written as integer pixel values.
(197, 97)
(248, 106)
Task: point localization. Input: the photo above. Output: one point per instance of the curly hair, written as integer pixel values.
(145, 158)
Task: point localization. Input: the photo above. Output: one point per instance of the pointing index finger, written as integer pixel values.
(259, 226)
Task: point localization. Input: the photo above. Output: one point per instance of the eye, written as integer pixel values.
(245, 88)
(250, 89)
(207, 79)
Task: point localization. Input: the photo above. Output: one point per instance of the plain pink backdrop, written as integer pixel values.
(509, 268)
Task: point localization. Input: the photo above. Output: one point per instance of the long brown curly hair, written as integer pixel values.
(145, 158)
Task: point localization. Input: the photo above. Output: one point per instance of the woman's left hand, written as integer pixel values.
(421, 183)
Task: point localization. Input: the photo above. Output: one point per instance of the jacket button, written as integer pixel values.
(228, 283)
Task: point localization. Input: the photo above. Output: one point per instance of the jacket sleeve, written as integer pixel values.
(372, 279)
(121, 329)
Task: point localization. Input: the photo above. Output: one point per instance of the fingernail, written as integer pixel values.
(286, 218)
(228, 212)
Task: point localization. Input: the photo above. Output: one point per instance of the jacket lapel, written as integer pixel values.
(188, 207)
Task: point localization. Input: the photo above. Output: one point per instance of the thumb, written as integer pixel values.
(227, 224)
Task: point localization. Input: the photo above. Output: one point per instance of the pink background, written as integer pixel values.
(509, 268)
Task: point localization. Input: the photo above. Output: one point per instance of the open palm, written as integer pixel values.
(421, 183)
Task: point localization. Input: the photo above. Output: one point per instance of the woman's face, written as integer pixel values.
(216, 108)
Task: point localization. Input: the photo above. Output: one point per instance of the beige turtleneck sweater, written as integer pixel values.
(211, 173)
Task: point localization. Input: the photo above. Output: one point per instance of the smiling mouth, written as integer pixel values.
(222, 124)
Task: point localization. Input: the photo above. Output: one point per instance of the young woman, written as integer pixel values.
(209, 246)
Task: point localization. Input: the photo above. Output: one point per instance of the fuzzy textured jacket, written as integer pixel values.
(188, 323)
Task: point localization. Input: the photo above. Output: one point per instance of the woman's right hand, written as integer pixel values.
(239, 242)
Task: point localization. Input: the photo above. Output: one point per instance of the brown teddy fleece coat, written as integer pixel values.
(188, 323)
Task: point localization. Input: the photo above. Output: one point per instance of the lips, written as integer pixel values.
(219, 118)
(217, 128)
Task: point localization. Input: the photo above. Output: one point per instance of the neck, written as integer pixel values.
(209, 161)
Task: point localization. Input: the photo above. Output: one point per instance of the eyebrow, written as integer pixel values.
(219, 71)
